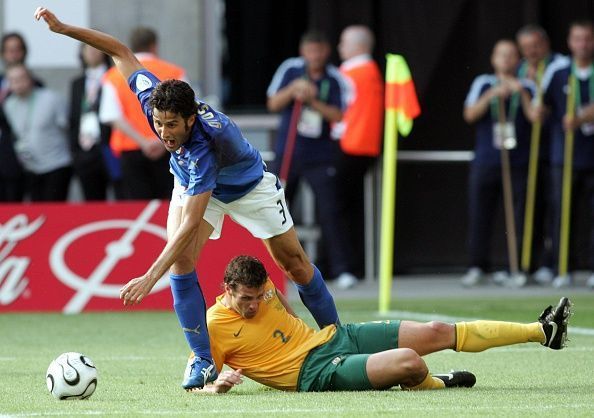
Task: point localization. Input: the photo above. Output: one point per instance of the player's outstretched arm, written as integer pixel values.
(123, 58)
(226, 380)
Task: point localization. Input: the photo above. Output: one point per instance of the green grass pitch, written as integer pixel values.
(140, 358)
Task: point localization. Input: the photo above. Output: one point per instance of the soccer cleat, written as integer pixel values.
(457, 379)
(543, 276)
(590, 282)
(198, 373)
(513, 280)
(346, 281)
(473, 277)
(554, 323)
(562, 281)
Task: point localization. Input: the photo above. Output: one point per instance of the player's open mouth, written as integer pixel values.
(169, 143)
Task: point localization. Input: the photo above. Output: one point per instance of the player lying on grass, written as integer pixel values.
(217, 173)
(255, 332)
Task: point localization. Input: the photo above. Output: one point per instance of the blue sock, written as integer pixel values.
(190, 309)
(316, 297)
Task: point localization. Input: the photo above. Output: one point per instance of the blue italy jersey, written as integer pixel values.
(216, 156)
(485, 152)
(555, 89)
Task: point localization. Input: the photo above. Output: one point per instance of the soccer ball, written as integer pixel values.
(71, 376)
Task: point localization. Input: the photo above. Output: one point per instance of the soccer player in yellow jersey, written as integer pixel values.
(254, 331)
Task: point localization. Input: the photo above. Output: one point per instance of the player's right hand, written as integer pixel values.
(52, 21)
(153, 150)
(135, 290)
(227, 380)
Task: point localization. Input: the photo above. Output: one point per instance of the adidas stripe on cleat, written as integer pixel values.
(198, 373)
(554, 324)
(457, 379)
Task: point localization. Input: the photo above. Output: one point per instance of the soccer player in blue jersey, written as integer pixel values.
(216, 172)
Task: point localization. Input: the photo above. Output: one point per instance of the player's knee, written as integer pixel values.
(296, 266)
(440, 329)
(183, 265)
(413, 365)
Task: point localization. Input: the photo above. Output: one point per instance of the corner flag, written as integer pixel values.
(400, 93)
(402, 106)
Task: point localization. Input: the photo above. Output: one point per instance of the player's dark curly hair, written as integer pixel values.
(245, 270)
(174, 96)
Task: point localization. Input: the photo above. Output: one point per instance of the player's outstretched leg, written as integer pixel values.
(554, 323)
(190, 309)
(550, 331)
(317, 299)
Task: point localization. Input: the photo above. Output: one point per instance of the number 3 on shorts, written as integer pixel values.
(282, 211)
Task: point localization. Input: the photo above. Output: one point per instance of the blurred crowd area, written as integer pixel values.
(98, 138)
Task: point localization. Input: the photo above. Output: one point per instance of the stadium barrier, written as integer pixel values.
(75, 257)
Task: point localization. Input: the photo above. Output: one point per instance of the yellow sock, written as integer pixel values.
(480, 335)
(428, 383)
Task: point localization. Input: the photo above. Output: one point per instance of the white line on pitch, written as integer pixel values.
(317, 411)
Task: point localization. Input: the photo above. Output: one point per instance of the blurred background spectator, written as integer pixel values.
(13, 50)
(493, 130)
(534, 45)
(38, 119)
(555, 85)
(360, 132)
(321, 94)
(89, 139)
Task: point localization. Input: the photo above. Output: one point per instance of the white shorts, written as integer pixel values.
(263, 211)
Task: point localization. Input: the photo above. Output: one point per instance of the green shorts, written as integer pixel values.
(340, 364)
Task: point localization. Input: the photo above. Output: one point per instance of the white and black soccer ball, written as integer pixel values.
(71, 376)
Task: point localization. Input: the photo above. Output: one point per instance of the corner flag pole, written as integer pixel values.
(508, 203)
(402, 106)
(388, 210)
(566, 190)
(527, 236)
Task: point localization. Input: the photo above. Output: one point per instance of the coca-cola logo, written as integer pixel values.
(87, 288)
(13, 281)
(100, 259)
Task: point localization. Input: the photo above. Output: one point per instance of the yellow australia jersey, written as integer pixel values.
(270, 347)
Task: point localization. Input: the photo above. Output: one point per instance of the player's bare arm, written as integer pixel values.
(329, 112)
(136, 289)
(476, 111)
(224, 382)
(122, 56)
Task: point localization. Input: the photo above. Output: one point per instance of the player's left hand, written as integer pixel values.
(571, 123)
(224, 382)
(136, 289)
(52, 21)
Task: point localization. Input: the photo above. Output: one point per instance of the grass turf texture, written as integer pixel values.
(140, 358)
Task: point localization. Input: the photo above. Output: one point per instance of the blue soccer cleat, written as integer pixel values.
(199, 372)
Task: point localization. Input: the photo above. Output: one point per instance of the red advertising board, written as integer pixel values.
(76, 257)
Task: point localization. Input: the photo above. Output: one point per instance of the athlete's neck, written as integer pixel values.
(315, 74)
(504, 75)
(582, 62)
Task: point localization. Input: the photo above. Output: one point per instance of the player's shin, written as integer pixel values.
(480, 335)
(316, 297)
(190, 309)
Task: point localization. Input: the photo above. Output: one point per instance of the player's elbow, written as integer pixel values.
(272, 105)
(468, 115)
